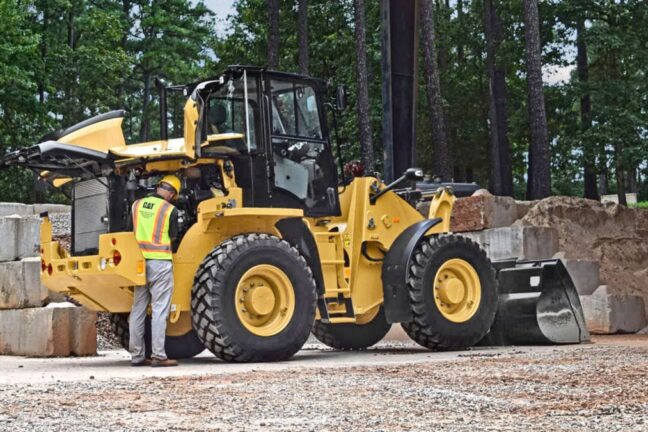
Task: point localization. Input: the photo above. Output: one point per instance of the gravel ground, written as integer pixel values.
(600, 387)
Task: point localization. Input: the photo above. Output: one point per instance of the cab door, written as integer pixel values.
(304, 174)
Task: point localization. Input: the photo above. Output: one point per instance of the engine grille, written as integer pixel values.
(90, 215)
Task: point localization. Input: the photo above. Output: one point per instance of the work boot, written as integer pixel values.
(163, 363)
(145, 362)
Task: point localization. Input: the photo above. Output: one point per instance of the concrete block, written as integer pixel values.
(8, 234)
(83, 328)
(607, 313)
(35, 332)
(585, 274)
(483, 212)
(37, 209)
(60, 329)
(9, 209)
(20, 284)
(522, 242)
(28, 237)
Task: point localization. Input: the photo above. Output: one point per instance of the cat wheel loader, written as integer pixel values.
(272, 246)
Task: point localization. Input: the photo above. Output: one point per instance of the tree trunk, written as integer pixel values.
(501, 164)
(302, 36)
(273, 34)
(144, 128)
(364, 121)
(442, 165)
(541, 165)
(589, 158)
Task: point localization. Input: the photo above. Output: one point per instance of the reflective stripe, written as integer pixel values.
(160, 219)
(151, 247)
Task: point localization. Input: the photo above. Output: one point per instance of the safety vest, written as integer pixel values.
(151, 216)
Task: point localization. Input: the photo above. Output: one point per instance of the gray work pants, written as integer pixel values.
(157, 292)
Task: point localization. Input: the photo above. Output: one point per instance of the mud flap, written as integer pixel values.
(538, 304)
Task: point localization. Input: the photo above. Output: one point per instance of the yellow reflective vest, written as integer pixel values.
(151, 219)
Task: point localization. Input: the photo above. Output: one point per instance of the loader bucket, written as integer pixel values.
(538, 305)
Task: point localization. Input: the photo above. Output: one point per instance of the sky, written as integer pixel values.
(221, 8)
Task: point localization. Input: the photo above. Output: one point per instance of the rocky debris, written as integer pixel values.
(613, 235)
(59, 329)
(480, 212)
(106, 339)
(517, 242)
(62, 229)
(555, 390)
(20, 285)
(523, 208)
(607, 313)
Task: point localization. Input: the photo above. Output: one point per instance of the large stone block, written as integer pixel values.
(522, 242)
(20, 284)
(9, 209)
(585, 274)
(28, 237)
(8, 234)
(50, 208)
(83, 329)
(482, 212)
(607, 313)
(60, 329)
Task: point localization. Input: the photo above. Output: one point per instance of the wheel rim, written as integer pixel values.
(264, 300)
(457, 290)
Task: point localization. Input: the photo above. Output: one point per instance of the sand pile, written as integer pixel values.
(614, 235)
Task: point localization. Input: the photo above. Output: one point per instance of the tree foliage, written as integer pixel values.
(62, 61)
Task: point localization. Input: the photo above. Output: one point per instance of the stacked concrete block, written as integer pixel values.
(483, 212)
(585, 274)
(60, 329)
(27, 326)
(607, 313)
(521, 242)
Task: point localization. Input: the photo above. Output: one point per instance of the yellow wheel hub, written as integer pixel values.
(457, 290)
(265, 300)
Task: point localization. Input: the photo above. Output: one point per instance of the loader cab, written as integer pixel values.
(285, 158)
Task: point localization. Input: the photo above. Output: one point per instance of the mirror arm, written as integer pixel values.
(392, 185)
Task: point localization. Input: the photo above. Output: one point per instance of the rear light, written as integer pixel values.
(102, 264)
(43, 266)
(140, 267)
(50, 269)
(113, 241)
(116, 258)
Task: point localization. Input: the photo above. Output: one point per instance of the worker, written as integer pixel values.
(155, 222)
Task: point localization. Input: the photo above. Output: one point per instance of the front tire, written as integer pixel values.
(253, 299)
(453, 293)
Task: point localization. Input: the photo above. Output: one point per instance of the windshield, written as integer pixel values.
(228, 107)
(295, 111)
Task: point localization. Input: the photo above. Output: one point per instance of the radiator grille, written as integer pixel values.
(90, 210)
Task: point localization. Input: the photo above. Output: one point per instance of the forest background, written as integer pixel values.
(494, 95)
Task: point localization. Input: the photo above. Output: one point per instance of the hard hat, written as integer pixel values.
(172, 181)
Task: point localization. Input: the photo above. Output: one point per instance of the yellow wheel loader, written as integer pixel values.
(272, 245)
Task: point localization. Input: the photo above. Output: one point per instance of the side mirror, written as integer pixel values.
(341, 97)
(414, 174)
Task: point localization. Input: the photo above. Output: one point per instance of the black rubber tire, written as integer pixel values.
(429, 327)
(176, 347)
(212, 301)
(352, 336)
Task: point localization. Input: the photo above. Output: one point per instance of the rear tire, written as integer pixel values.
(432, 326)
(352, 336)
(176, 347)
(226, 293)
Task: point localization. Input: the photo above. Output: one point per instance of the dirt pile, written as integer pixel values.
(614, 235)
